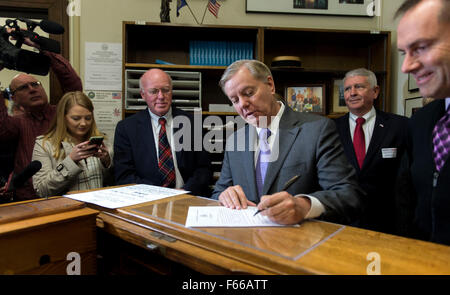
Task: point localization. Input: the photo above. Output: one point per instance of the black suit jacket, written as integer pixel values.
(378, 174)
(135, 159)
(432, 201)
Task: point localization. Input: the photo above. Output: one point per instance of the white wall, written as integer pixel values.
(101, 21)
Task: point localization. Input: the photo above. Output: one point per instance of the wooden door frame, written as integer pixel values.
(56, 12)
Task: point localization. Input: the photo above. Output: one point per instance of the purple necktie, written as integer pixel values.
(263, 159)
(441, 140)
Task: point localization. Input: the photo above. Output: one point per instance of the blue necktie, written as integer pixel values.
(263, 159)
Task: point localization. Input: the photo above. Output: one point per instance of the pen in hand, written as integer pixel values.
(285, 187)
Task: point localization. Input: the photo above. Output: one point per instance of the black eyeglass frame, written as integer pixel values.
(34, 84)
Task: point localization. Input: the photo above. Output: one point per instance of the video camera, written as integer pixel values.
(14, 58)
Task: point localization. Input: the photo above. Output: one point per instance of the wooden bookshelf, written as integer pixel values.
(326, 55)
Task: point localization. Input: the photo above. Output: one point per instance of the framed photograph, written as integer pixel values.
(309, 98)
(412, 105)
(412, 86)
(367, 8)
(338, 100)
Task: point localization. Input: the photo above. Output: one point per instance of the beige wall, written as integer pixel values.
(101, 21)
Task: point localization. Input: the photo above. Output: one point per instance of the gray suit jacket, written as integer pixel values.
(309, 146)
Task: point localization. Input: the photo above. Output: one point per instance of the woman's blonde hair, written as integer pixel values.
(58, 131)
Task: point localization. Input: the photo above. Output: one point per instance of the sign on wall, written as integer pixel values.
(330, 7)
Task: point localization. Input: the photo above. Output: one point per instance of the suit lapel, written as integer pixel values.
(379, 132)
(287, 133)
(347, 140)
(248, 161)
(147, 142)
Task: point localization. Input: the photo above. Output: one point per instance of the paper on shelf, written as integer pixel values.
(126, 196)
(219, 216)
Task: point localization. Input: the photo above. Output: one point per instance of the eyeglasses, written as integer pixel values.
(33, 85)
(155, 91)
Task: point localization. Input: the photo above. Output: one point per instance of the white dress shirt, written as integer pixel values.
(367, 127)
(169, 130)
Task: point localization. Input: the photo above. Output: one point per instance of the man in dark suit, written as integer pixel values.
(384, 141)
(156, 146)
(424, 40)
(255, 171)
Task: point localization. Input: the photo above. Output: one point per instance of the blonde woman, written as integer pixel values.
(69, 161)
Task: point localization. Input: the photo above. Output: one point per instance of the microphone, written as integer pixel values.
(51, 27)
(19, 179)
(46, 25)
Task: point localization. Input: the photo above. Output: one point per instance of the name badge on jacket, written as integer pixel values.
(389, 153)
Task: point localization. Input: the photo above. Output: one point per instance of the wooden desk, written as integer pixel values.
(313, 248)
(37, 236)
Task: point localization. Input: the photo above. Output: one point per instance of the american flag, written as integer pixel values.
(213, 7)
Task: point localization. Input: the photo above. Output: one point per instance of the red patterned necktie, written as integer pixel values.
(359, 142)
(165, 162)
(441, 140)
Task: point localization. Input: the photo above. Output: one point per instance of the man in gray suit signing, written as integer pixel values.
(278, 145)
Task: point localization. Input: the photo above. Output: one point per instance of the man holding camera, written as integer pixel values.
(29, 93)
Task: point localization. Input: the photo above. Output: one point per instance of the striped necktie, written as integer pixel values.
(165, 163)
(441, 140)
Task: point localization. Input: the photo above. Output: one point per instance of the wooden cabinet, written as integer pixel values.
(325, 55)
(145, 45)
(55, 236)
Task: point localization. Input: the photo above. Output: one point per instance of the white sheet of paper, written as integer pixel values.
(126, 196)
(219, 216)
(103, 66)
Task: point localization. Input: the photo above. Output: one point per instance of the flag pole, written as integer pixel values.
(205, 12)
(192, 12)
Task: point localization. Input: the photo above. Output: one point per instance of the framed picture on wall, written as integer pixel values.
(412, 105)
(412, 85)
(367, 8)
(338, 100)
(307, 98)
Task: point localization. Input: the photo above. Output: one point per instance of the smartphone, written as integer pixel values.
(96, 140)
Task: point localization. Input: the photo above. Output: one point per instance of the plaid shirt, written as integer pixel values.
(25, 128)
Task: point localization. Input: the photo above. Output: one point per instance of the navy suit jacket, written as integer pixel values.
(378, 174)
(431, 203)
(309, 146)
(135, 159)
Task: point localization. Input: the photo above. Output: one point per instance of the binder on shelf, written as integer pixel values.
(163, 62)
(218, 53)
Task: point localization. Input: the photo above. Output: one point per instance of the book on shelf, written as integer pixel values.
(218, 53)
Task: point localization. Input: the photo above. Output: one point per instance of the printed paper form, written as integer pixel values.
(219, 216)
(126, 196)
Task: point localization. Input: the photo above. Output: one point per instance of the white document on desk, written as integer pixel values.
(126, 196)
(219, 216)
